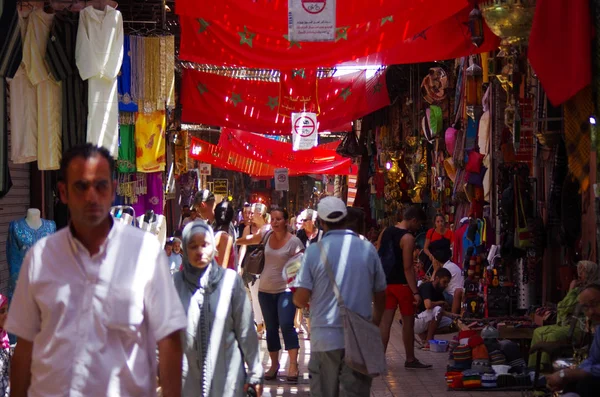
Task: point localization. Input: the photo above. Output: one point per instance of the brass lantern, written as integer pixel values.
(510, 20)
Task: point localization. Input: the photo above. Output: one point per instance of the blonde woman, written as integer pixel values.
(251, 237)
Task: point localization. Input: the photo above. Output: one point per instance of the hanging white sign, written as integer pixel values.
(311, 20)
(282, 182)
(205, 169)
(305, 131)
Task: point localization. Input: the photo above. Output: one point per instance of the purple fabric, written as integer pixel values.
(153, 199)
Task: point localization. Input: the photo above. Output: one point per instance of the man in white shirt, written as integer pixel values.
(454, 292)
(93, 300)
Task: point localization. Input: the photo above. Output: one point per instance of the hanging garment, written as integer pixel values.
(154, 197)
(150, 141)
(49, 91)
(182, 147)
(20, 238)
(99, 54)
(60, 58)
(10, 57)
(126, 103)
(126, 160)
(23, 107)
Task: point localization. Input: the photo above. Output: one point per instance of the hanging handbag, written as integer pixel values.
(362, 339)
(524, 236)
(350, 147)
(254, 262)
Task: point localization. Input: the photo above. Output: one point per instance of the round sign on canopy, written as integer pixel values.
(305, 126)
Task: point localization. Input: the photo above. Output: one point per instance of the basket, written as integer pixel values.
(438, 346)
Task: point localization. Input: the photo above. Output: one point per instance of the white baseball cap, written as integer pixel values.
(332, 209)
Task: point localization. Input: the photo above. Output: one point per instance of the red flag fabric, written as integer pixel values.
(298, 92)
(252, 105)
(226, 157)
(273, 15)
(382, 42)
(559, 47)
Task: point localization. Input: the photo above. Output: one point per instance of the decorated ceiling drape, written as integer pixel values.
(387, 40)
(235, 158)
(253, 105)
(273, 14)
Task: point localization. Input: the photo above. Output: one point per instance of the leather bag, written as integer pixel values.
(254, 262)
(362, 339)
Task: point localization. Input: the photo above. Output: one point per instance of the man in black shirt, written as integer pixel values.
(432, 315)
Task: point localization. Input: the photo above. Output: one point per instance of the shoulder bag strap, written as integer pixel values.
(336, 289)
(265, 238)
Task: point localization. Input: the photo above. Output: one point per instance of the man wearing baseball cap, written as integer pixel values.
(361, 280)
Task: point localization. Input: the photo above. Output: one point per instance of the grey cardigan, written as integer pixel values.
(238, 345)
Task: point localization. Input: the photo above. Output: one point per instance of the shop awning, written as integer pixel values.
(236, 156)
(427, 33)
(253, 105)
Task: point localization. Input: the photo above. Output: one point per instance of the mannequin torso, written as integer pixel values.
(34, 218)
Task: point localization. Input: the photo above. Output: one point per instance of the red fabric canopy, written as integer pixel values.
(559, 47)
(273, 14)
(252, 105)
(384, 41)
(230, 159)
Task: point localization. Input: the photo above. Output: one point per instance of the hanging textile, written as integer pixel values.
(252, 105)
(48, 91)
(182, 147)
(578, 135)
(227, 159)
(99, 54)
(126, 102)
(60, 58)
(376, 42)
(153, 200)
(23, 108)
(153, 72)
(559, 47)
(150, 141)
(10, 58)
(126, 160)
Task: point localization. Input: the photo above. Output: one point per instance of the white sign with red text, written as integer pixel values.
(305, 131)
(282, 182)
(311, 20)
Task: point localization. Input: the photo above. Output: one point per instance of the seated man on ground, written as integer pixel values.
(454, 292)
(432, 316)
(583, 381)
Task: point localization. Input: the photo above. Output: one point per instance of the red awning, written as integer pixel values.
(253, 105)
(230, 158)
(384, 41)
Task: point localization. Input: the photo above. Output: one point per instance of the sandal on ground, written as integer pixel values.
(419, 342)
(416, 364)
(273, 375)
(426, 347)
(293, 378)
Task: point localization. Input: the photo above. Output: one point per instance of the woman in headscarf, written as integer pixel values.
(587, 273)
(5, 352)
(216, 347)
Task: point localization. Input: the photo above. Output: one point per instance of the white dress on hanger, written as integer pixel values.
(158, 227)
(49, 91)
(99, 54)
(23, 108)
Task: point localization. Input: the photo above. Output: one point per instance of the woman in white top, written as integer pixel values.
(274, 296)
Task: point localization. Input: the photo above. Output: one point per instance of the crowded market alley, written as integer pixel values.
(326, 198)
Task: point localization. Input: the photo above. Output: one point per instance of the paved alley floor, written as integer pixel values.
(396, 383)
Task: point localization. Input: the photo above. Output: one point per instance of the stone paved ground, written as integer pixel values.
(396, 383)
